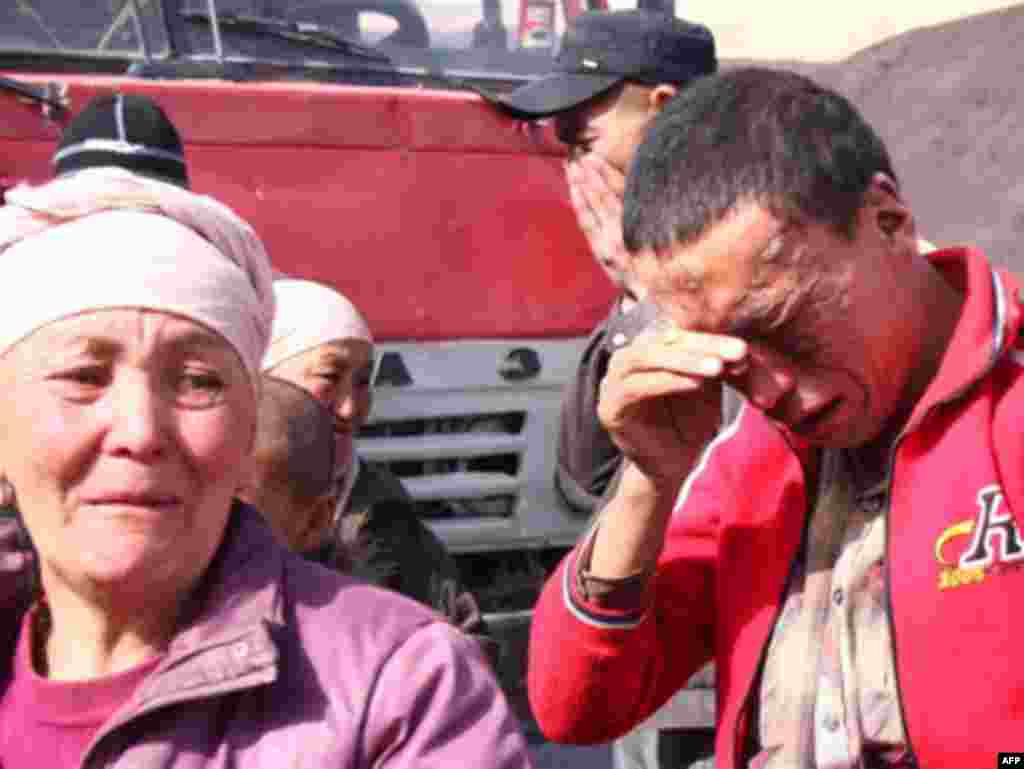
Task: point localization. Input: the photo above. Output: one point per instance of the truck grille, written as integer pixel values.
(453, 466)
(471, 429)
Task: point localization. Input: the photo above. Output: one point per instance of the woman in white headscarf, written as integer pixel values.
(151, 619)
(322, 343)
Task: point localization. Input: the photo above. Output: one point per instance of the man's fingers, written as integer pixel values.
(649, 369)
(602, 197)
(610, 178)
(579, 203)
(585, 216)
(666, 338)
(577, 190)
(651, 383)
(617, 397)
(633, 368)
(604, 200)
(688, 374)
(659, 398)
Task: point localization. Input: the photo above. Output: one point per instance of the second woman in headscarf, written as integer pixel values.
(322, 343)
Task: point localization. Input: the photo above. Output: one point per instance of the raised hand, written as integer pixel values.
(595, 190)
(661, 397)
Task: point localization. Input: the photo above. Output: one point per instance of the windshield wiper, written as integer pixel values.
(41, 95)
(295, 31)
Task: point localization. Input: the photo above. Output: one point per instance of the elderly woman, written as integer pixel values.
(155, 621)
(322, 343)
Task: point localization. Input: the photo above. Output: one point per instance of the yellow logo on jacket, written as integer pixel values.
(994, 543)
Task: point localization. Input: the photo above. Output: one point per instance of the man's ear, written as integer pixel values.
(886, 208)
(659, 96)
(318, 524)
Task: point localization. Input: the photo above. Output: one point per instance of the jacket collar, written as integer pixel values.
(988, 326)
(227, 638)
(990, 320)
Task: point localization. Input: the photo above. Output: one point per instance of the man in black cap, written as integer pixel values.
(613, 74)
(128, 130)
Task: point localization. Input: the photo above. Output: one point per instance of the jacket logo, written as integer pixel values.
(994, 543)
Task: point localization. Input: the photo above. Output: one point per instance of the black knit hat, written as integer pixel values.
(125, 130)
(601, 49)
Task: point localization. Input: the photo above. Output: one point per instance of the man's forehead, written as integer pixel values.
(724, 274)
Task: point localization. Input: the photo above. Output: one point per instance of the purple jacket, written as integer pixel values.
(287, 664)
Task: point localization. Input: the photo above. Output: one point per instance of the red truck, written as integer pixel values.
(349, 134)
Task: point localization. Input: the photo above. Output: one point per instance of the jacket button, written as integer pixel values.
(837, 597)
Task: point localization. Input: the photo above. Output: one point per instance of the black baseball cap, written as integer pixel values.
(126, 130)
(601, 49)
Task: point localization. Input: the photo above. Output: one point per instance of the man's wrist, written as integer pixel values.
(616, 593)
(632, 528)
(644, 490)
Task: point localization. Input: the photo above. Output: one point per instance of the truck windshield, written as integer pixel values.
(446, 41)
(90, 28)
(299, 32)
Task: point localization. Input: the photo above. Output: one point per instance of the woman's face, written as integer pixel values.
(125, 434)
(338, 375)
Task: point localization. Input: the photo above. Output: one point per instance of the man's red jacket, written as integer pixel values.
(954, 563)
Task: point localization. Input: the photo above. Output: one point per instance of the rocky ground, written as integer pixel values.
(946, 100)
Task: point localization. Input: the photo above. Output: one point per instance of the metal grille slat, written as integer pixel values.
(464, 485)
(440, 446)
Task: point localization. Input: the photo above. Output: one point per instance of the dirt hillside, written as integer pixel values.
(949, 102)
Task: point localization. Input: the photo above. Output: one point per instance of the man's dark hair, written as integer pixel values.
(294, 441)
(769, 136)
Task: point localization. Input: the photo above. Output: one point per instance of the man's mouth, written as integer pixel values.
(813, 421)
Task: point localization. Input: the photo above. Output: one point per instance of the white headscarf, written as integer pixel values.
(105, 238)
(308, 315)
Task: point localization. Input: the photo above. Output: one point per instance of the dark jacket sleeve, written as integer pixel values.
(398, 551)
(588, 460)
(386, 543)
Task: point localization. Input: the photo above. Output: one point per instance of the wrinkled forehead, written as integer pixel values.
(107, 333)
(733, 269)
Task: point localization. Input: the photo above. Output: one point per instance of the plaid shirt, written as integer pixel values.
(828, 697)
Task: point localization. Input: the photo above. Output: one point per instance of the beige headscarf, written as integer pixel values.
(308, 315)
(106, 238)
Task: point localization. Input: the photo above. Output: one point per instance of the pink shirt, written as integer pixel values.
(48, 724)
